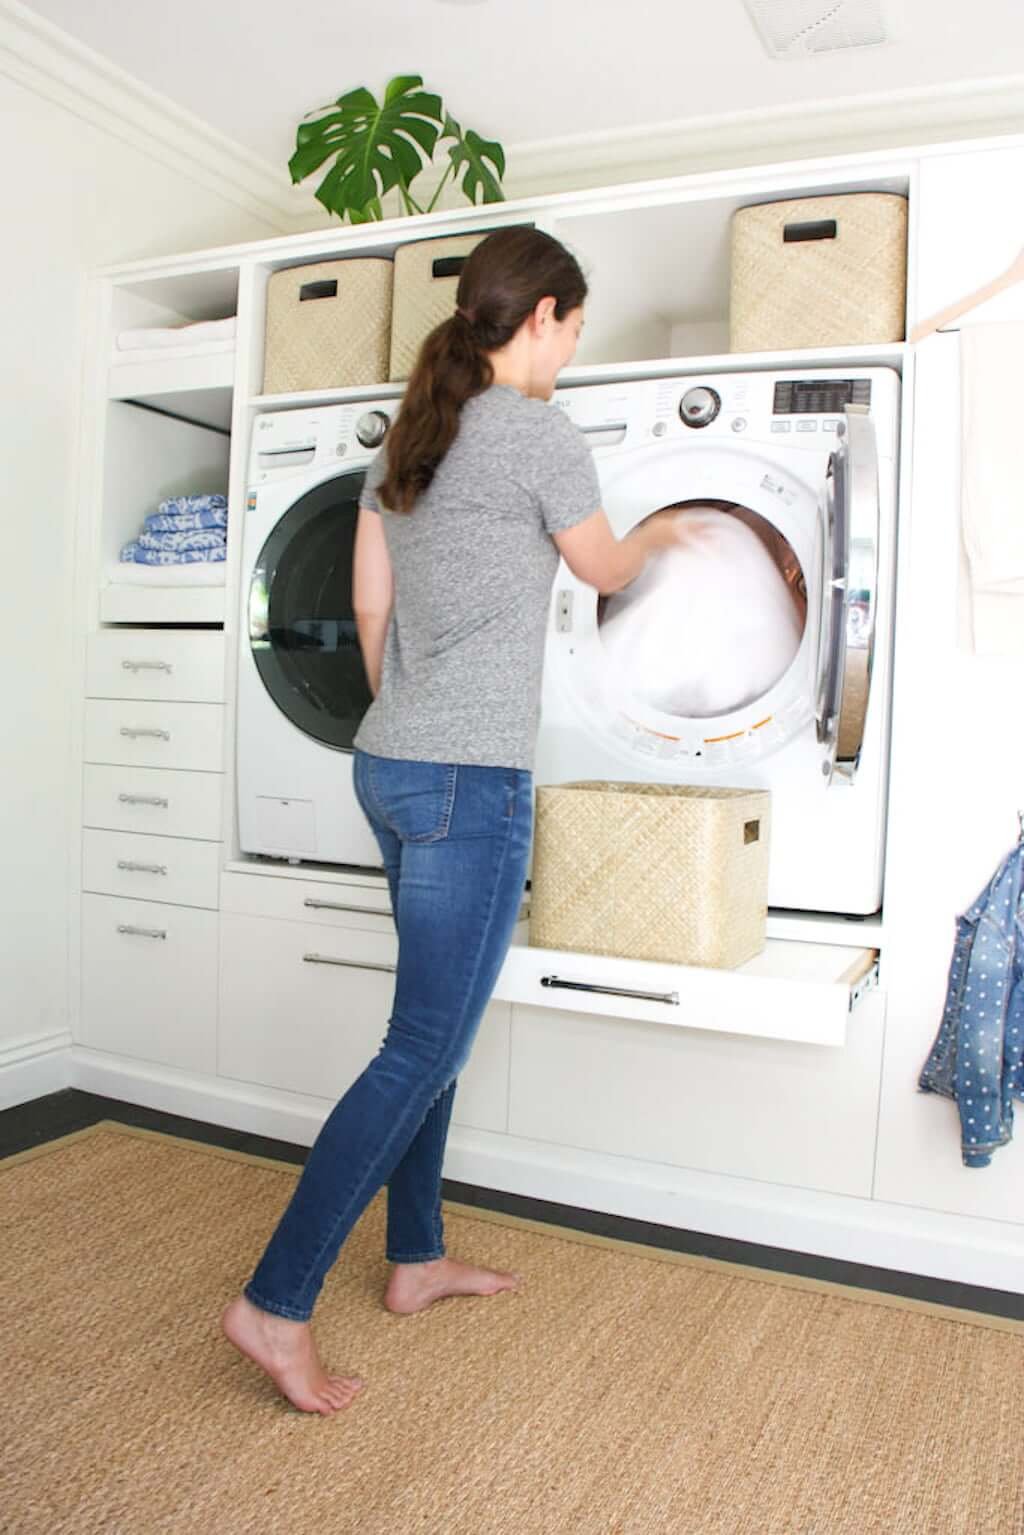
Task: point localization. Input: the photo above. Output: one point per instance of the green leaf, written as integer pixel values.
(470, 155)
(375, 145)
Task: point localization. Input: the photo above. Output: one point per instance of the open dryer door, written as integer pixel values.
(849, 596)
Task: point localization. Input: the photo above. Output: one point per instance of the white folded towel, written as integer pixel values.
(203, 333)
(197, 574)
(991, 489)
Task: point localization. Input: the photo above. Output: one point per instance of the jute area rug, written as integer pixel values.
(622, 1391)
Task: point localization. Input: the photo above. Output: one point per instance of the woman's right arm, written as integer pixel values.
(596, 556)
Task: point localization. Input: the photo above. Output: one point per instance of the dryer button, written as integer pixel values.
(341, 449)
(807, 426)
(739, 423)
(659, 428)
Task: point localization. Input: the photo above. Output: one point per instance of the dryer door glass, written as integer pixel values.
(709, 628)
(302, 626)
(847, 642)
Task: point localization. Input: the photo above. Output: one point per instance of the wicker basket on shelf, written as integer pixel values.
(651, 871)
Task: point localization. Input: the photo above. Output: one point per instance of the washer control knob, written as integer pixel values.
(699, 406)
(371, 428)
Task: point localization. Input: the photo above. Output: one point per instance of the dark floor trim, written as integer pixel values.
(46, 1119)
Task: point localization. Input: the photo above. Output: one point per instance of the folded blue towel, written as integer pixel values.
(175, 505)
(182, 522)
(135, 553)
(211, 538)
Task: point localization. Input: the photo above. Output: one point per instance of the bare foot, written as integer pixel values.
(414, 1286)
(286, 1351)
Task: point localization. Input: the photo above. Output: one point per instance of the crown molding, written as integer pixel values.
(47, 61)
(882, 120)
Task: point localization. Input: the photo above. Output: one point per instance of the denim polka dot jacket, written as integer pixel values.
(978, 1054)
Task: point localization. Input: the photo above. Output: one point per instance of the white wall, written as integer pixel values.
(78, 193)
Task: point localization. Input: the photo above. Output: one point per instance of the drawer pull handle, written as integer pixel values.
(346, 964)
(134, 731)
(370, 911)
(144, 799)
(142, 932)
(131, 867)
(148, 666)
(671, 998)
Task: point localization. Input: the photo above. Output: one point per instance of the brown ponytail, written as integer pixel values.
(504, 279)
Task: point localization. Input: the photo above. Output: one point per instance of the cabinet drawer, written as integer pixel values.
(151, 868)
(147, 734)
(310, 1012)
(156, 663)
(149, 981)
(366, 904)
(161, 800)
(791, 991)
(750, 1108)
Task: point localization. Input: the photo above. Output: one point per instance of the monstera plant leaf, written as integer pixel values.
(378, 146)
(469, 156)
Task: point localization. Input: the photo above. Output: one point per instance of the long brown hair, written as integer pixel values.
(504, 279)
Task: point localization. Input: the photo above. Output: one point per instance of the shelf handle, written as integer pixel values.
(142, 932)
(670, 998)
(346, 964)
(130, 866)
(369, 911)
(147, 666)
(134, 731)
(144, 799)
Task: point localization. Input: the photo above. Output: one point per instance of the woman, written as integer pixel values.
(481, 486)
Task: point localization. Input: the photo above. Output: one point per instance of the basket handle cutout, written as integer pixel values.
(820, 229)
(328, 288)
(751, 832)
(448, 266)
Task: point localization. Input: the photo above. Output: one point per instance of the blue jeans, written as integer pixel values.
(455, 841)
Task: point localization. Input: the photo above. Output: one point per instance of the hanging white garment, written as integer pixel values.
(708, 627)
(991, 490)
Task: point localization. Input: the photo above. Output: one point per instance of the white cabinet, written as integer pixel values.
(149, 981)
(147, 734)
(186, 665)
(304, 1004)
(151, 868)
(751, 1108)
(166, 801)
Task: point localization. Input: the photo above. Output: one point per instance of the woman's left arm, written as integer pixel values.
(373, 591)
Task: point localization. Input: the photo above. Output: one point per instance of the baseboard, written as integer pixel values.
(903, 1238)
(33, 1065)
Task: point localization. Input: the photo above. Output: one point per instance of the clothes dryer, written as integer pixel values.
(806, 461)
(302, 687)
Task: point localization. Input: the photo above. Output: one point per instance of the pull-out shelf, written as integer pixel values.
(793, 991)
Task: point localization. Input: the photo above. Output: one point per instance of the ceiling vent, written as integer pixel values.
(794, 29)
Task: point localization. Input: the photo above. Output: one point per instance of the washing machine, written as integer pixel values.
(302, 687)
(807, 461)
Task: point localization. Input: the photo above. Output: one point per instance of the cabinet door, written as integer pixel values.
(304, 1007)
(149, 981)
(969, 229)
(721, 1103)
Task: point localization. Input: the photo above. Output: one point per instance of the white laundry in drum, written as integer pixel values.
(710, 626)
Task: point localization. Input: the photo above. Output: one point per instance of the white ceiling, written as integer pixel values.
(520, 71)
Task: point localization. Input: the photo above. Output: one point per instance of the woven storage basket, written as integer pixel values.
(328, 325)
(818, 271)
(426, 280)
(651, 871)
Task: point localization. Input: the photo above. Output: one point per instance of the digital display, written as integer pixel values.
(819, 396)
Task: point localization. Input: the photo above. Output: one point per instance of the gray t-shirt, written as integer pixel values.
(473, 564)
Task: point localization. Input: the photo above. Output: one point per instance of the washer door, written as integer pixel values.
(302, 626)
(847, 645)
